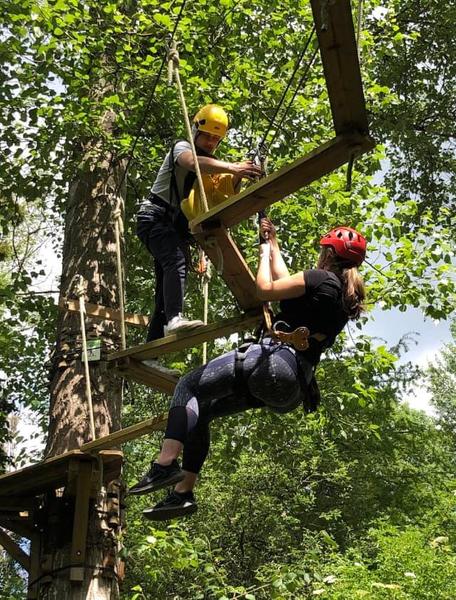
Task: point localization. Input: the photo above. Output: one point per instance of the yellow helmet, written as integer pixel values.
(211, 119)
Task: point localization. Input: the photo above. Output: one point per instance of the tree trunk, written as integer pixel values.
(89, 251)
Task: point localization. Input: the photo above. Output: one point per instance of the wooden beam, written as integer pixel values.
(35, 567)
(189, 339)
(139, 372)
(14, 550)
(339, 55)
(287, 180)
(97, 311)
(219, 246)
(117, 438)
(23, 526)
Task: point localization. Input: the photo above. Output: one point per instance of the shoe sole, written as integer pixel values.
(153, 487)
(183, 328)
(165, 514)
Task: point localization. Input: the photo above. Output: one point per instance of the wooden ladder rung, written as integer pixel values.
(102, 312)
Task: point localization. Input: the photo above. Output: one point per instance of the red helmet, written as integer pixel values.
(346, 243)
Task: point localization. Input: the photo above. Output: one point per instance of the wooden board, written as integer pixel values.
(226, 257)
(339, 55)
(53, 473)
(14, 550)
(117, 438)
(135, 370)
(97, 311)
(179, 341)
(287, 180)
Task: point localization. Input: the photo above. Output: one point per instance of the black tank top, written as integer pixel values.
(320, 309)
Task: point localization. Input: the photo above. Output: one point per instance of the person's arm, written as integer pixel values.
(241, 170)
(289, 286)
(278, 267)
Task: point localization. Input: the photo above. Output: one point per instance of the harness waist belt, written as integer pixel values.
(299, 338)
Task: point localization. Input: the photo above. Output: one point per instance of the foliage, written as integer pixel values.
(286, 504)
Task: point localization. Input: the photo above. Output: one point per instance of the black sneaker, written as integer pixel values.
(174, 505)
(158, 477)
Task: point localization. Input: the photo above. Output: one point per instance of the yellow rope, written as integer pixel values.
(173, 70)
(80, 292)
(173, 73)
(118, 228)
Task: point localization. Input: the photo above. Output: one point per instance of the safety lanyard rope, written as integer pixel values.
(80, 292)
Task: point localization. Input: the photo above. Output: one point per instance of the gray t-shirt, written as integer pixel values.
(162, 183)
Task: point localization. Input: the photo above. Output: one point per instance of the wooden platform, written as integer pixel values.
(54, 473)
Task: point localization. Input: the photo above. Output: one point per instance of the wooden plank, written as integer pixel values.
(102, 312)
(23, 526)
(179, 341)
(14, 550)
(139, 372)
(80, 521)
(225, 255)
(157, 423)
(35, 567)
(339, 55)
(287, 180)
(52, 473)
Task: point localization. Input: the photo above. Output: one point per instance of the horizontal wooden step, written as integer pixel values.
(287, 180)
(96, 311)
(180, 341)
(127, 434)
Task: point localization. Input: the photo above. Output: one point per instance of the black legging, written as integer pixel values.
(275, 377)
(170, 251)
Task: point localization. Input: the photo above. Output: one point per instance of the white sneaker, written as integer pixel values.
(179, 323)
(154, 364)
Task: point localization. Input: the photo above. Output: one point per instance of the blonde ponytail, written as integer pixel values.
(353, 292)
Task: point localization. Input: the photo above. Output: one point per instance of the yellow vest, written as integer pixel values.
(218, 188)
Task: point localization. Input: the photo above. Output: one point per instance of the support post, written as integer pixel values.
(80, 521)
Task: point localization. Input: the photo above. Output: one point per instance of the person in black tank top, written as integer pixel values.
(270, 374)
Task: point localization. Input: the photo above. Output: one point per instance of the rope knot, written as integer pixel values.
(173, 55)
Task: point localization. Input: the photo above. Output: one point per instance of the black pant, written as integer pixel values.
(170, 251)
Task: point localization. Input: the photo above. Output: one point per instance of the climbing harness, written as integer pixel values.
(298, 338)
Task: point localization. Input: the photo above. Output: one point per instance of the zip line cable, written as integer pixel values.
(301, 82)
(285, 92)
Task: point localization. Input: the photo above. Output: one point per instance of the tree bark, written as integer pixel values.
(88, 251)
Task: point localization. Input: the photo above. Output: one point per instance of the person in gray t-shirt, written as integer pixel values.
(163, 228)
